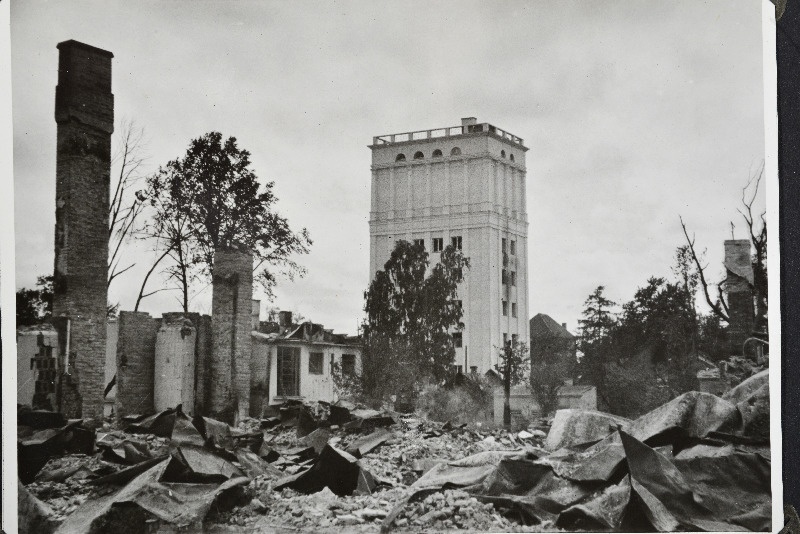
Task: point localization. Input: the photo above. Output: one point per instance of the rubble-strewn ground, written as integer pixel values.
(415, 446)
(698, 462)
(394, 461)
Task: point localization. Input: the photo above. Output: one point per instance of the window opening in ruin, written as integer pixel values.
(348, 364)
(513, 309)
(288, 372)
(513, 248)
(455, 369)
(316, 363)
(438, 244)
(419, 155)
(504, 277)
(512, 157)
(502, 153)
(437, 153)
(503, 244)
(455, 152)
(400, 157)
(513, 278)
(456, 242)
(458, 340)
(505, 308)
(514, 338)
(420, 243)
(505, 339)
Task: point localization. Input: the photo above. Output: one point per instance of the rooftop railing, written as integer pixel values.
(446, 132)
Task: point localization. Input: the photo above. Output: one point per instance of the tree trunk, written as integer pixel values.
(507, 387)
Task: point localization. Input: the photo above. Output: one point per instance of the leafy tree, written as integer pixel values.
(513, 365)
(410, 316)
(547, 376)
(595, 327)
(211, 200)
(35, 306)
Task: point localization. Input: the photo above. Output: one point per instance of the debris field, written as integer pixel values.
(699, 462)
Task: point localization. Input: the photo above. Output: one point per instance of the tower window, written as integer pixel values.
(504, 277)
(419, 155)
(513, 247)
(505, 339)
(400, 157)
(420, 243)
(456, 242)
(504, 244)
(513, 278)
(512, 157)
(438, 244)
(502, 153)
(513, 309)
(458, 340)
(455, 152)
(505, 308)
(437, 153)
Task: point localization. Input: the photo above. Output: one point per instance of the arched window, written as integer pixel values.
(419, 155)
(400, 157)
(456, 151)
(437, 153)
(502, 153)
(512, 157)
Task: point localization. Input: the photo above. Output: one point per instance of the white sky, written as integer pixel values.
(634, 112)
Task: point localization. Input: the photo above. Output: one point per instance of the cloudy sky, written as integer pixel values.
(634, 112)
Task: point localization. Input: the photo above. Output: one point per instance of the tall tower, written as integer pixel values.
(465, 186)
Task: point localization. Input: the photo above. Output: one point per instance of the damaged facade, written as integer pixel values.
(299, 361)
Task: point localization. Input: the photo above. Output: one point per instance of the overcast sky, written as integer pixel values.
(634, 112)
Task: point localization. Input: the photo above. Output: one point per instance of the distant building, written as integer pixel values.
(462, 186)
(551, 342)
(297, 361)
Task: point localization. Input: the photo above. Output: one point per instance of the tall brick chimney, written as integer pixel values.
(84, 114)
(739, 290)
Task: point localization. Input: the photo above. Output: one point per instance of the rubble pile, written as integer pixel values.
(320, 468)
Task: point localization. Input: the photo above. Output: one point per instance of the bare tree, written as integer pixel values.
(757, 229)
(719, 308)
(128, 198)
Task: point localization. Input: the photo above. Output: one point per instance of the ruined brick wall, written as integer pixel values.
(174, 363)
(259, 377)
(136, 351)
(202, 363)
(738, 286)
(84, 113)
(231, 309)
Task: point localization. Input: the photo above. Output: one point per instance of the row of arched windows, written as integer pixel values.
(438, 154)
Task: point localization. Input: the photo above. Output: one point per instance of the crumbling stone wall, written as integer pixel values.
(231, 308)
(174, 363)
(739, 289)
(136, 349)
(84, 113)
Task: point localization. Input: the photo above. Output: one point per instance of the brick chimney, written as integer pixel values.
(285, 318)
(739, 290)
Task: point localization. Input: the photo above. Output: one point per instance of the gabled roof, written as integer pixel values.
(544, 326)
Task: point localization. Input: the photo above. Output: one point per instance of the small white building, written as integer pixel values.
(298, 361)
